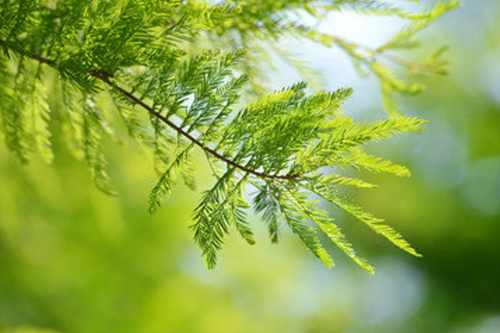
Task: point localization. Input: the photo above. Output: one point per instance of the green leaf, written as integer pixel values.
(377, 225)
(338, 238)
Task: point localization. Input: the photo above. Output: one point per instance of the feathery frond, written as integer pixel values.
(178, 74)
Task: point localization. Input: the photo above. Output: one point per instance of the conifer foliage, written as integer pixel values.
(177, 74)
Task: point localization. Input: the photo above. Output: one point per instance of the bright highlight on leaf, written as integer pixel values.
(181, 77)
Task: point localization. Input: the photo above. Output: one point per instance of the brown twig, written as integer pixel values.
(105, 77)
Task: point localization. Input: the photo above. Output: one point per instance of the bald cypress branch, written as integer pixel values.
(190, 65)
(105, 77)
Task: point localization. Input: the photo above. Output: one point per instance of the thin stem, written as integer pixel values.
(105, 77)
(379, 52)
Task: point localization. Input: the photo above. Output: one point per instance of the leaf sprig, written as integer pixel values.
(61, 60)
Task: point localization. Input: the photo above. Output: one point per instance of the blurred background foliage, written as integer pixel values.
(75, 260)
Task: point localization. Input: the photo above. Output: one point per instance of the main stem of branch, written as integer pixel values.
(105, 77)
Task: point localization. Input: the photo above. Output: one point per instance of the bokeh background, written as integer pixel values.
(74, 260)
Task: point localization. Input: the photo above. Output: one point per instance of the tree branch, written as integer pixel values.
(105, 78)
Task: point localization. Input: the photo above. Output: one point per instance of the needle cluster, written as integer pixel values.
(179, 75)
